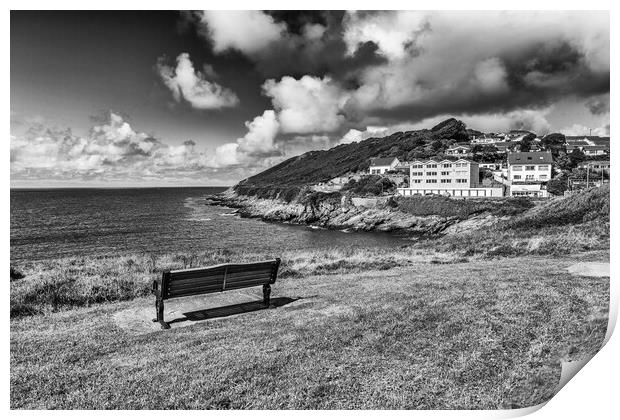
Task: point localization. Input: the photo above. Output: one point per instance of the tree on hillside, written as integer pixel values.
(526, 142)
(557, 186)
(485, 153)
(554, 142)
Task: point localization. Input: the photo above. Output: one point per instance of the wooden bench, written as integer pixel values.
(217, 278)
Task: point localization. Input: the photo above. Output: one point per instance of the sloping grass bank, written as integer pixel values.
(475, 335)
(558, 226)
(75, 282)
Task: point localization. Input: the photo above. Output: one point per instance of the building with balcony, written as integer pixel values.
(457, 178)
(528, 173)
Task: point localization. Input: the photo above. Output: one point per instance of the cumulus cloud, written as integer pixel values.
(258, 142)
(307, 105)
(354, 135)
(392, 32)
(248, 31)
(455, 62)
(113, 150)
(582, 130)
(598, 105)
(192, 86)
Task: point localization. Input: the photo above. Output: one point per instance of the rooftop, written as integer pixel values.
(530, 157)
(381, 161)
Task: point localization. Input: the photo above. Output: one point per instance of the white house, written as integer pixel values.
(528, 173)
(380, 166)
(452, 178)
(530, 166)
(596, 165)
(458, 150)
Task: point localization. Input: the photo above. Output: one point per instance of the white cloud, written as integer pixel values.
(446, 61)
(113, 151)
(491, 75)
(256, 144)
(582, 130)
(354, 135)
(191, 85)
(307, 105)
(392, 32)
(248, 31)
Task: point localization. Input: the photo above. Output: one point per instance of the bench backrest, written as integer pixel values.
(217, 278)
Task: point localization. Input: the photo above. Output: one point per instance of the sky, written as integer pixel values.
(112, 99)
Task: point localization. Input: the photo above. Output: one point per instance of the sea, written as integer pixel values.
(57, 223)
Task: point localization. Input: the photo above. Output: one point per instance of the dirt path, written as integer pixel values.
(590, 269)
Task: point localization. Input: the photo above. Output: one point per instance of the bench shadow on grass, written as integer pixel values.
(236, 309)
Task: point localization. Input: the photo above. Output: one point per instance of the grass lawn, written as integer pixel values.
(483, 334)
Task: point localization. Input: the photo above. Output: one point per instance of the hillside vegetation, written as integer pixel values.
(288, 178)
(558, 226)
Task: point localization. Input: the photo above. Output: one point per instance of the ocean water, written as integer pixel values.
(55, 223)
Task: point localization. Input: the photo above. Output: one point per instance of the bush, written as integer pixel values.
(370, 185)
(16, 275)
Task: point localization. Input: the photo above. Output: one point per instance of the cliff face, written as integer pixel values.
(354, 214)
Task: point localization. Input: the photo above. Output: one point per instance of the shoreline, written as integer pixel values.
(347, 214)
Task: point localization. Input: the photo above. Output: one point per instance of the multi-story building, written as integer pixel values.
(458, 178)
(529, 166)
(528, 173)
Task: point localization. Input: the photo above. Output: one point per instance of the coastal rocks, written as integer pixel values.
(473, 223)
(354, 214)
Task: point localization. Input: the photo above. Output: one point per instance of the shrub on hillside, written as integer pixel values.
(16, 275)
(592, 204)
(370, 185)
(461, 208)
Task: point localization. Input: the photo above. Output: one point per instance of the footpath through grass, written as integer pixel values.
(483, 334)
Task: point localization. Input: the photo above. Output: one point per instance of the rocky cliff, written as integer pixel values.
(355, 214)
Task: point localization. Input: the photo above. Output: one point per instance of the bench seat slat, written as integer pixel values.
(241, 276)
(231, 267)
(196, 273)
(192, 292)
(219, 279)
(207, 279)
(243, 285)
(215, 286)
(218, 272)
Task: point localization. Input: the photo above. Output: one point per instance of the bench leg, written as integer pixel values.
(266, 294)
(159, 308)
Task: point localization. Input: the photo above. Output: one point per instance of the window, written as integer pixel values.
(431, 165)
(543, 167)
(446, 181)
(460, 165)
(445, 173)
(431, 174)
(530, 168)
(461, 181)
(516, 177)
(529, 177)
(416, 181)
(417, 173)
(431, 181)
(447, 165)
(517, 168)
(417, 166)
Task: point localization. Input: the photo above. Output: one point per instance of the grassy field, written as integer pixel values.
(443, 335)
(53, 285)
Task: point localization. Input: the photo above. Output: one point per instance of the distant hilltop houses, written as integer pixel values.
(513, 164)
